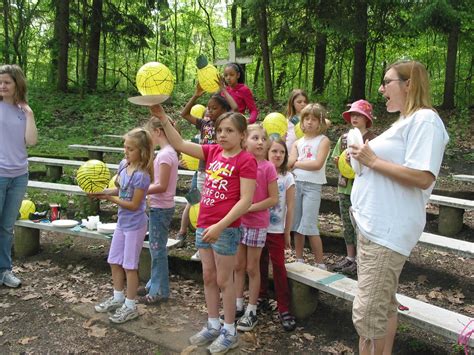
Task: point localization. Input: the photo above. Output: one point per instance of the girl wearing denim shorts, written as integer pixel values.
(226, 195)
(308, 160)
(161, 200)
(133, 180)
(254, 228)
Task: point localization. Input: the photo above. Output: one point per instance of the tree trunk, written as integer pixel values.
(261, 20)
(94, 45)
(61, 33)
(360, 47)
(6, 16)
(319, 62)
(450, 76)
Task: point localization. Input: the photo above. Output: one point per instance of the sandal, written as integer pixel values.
(262, 305)
(151, 300)
(287, 321)
(142, 291)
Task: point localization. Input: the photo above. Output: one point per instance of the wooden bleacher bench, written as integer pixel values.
(463, 177)
(96, 151)
(54, 167)
(451, 213)
(450, 245)
(27, 241)
(424, 315)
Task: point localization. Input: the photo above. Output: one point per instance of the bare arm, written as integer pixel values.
(177, 142)
(165, 172)
(317, 164)
(293, 156)
(186, 113)
(233, 105)
(247, 188)
(270, 201)
(290, 205)
(31, 132)
(403, 175)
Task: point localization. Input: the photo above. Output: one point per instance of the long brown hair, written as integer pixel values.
(283, 168)
(290, 109)
(142, 139)
(418, 95)
(15, 72)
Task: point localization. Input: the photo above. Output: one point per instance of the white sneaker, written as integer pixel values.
(123, 314)
(196, 256)
(9, 280)
(321, 266)
(109, 305)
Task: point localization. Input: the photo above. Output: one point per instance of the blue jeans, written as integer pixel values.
(160, 219)
(12, 191)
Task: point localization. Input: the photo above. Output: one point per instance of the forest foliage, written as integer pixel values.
(334, 49)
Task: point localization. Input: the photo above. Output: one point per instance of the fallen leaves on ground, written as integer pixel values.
(27, 340)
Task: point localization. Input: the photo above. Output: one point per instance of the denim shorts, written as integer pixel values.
(227, 243)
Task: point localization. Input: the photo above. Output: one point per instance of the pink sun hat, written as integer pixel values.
(360, 106)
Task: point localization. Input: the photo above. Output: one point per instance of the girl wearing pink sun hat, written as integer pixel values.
(362, 107)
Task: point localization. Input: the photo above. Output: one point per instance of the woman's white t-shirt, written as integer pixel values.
(389, 213)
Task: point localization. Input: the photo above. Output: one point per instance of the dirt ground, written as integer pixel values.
(71, 273)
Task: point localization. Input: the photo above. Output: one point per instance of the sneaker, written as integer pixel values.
(247, 322)
(287, 321)
(224, 342)
(321, 266)
(341, 265)
(109, 305)
(9, 280)
(123, 314)
(350, 269)
(196, 256)
(300, 261)
(181, 240)
(204, 336)
(238, 315)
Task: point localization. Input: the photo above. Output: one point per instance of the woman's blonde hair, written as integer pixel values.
(418, 95)
(142, 139)
(15, 72)
(290, 109)
(318, 111)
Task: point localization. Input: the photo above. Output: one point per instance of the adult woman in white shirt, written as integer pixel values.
(399, 169)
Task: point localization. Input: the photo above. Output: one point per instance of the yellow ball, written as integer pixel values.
(26, 208)
(298, 131)
(112, 182)
(192, 163)
(207, 77)
(344, 167)
(194, 214)
(155, 79)
(275, 124)
(198, 111)
(93, 176)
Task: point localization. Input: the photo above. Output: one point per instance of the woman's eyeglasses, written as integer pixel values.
(385, 82)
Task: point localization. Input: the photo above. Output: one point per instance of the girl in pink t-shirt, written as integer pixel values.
(234, 76)
(226, 196)
(254, 227)
(161, 200)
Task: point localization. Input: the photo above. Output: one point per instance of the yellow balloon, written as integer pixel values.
(155, 79)
(344, 167)
(26, 208)
(198, 111)
(275, 124)
(93, 176)
(298, 131)
(192, 163)
(194, 214)
(112, 182)
(208, 75)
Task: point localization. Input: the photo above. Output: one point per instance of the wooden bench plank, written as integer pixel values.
(84, 232)
(452, 202)
(74, 189)
(463, 177)
(96, 148)
(424, 315)
(78, 163)
(450, 245)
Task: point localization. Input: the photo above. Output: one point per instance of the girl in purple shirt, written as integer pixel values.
(134, 176)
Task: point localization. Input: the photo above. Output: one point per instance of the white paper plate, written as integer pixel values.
(148, 100)
(65, 223)
(106, 228)
(354, 137)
